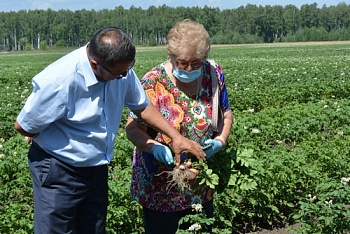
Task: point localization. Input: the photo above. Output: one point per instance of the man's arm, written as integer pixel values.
(22, 131)
(28, 136)
(152, 117)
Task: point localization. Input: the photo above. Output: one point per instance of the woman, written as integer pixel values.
(181, 89)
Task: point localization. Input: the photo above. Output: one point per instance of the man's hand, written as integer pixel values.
(28, 139)
(153, 118)
(182, 145)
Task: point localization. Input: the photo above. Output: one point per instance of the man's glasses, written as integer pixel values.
(120, 75)
(183, 64)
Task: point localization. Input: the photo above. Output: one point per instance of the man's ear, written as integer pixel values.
(93, 64)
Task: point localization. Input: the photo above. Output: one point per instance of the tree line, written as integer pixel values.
(29, 29)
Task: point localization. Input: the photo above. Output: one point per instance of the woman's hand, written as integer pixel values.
(215, 146)
(162, 153)
(153, 118)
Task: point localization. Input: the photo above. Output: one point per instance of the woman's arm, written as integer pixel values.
(137, 134)
(153, 118)
(226, 129)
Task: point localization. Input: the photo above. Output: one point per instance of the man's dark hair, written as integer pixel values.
(111, 45)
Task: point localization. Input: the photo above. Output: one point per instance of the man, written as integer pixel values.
(73, 115)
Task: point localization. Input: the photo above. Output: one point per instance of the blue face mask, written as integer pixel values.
(185, 76)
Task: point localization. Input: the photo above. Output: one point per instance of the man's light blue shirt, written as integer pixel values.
(76, 116)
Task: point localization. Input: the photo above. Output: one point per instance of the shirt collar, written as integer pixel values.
(86, 70)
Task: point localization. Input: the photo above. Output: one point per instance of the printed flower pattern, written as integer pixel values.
(192, 118)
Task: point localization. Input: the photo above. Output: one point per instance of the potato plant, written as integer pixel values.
(290, 140)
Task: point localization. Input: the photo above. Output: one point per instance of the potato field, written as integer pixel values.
(288, 158)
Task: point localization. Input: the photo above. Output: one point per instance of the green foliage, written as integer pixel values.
(326, 210)
(311, 34)
(17, 70)
(43, 45)
(197, 221)
(61, 43)
(152, 40)
(16, 208)
(206, 175)
(222, 164)
(28, 47)
(290, 139)
(124, 213)
(243, 25)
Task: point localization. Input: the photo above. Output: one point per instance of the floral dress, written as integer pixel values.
(191, 116)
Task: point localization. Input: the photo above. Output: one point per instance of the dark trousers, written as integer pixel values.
(67, 199)
(156, 222)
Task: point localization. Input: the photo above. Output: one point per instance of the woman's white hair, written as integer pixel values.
(188, 38)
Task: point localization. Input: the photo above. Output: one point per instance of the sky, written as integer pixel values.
(16, 5)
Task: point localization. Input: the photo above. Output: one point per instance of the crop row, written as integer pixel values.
(290, 140)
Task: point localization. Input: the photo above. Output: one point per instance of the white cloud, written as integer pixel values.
(42, 5)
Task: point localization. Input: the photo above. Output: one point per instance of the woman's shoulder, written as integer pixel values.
(213, 68)
(213, 63)
(155, 73)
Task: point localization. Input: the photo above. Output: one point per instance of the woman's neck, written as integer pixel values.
(189, 89)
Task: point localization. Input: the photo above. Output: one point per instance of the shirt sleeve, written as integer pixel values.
(145, 84)
(45, 105)
(224, 101)
(136, 98)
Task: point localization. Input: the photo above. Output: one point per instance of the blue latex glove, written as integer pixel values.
(162, 153)
(215, 146)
